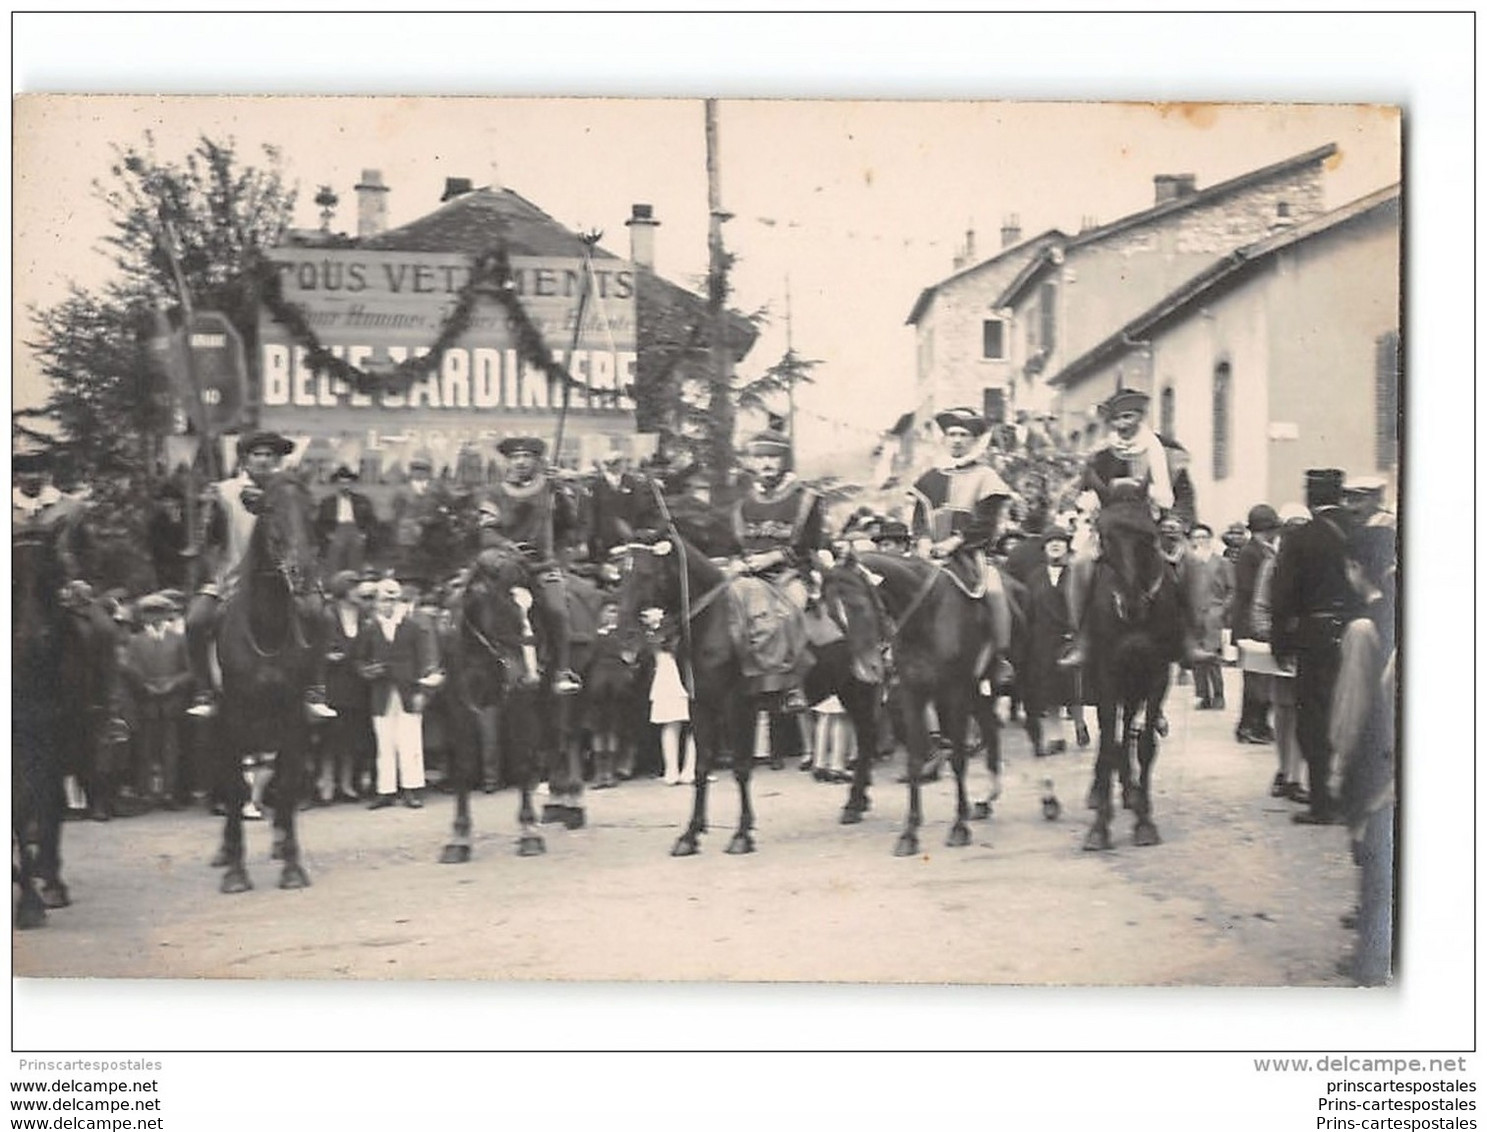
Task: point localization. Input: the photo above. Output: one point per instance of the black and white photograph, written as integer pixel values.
(697, 538)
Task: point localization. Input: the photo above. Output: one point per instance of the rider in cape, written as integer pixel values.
(957, 513)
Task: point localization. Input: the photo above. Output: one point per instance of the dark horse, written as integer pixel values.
(723, 708)
(1134, 620)
(939, 635)
(492, 667)
(38, 707)
(266, 659)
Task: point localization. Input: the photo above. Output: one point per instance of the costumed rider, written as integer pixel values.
(44, 520)
(533, 513)
(957, 515)
(778, 526)
(231, 513)
(1131, 477)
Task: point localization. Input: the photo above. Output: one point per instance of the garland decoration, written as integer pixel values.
(490, 277)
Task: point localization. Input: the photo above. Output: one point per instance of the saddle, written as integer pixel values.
(769, 631)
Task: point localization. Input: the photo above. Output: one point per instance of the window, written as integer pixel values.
(1047, 318)
(1386, 400)
(994, 405)
(1223, 393)
(1167, 412)
(993, 339)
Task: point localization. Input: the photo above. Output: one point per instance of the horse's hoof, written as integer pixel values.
(1081, 734)
(574, 817)
(235, 880)
(685, 847)
(222, 859)
(906, 846)
(31, 914)
(740, 843)
(1097, 840)
(980, 811)
(276, 853)
(851, 815)
(55, 895)
(553, 812)
(294, 877)
(531, 846)
(1146, 834)
(1051, 808)
(454, 854)
(960, 836)
(1092, 799)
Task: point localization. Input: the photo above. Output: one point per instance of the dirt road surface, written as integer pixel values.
(1235, 895)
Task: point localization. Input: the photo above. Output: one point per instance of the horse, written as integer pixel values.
(1134, 621)
(938, 637)
(492, 667)
(267, 662)
(38, 706)
(724, 707)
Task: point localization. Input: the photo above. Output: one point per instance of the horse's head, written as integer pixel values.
(493, 613)
(650, 574)
(850, 598)
(282, 537)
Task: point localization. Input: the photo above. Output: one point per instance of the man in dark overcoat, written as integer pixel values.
(1264, 527)
(345, 525)
(1045, 686)
(1311, 604)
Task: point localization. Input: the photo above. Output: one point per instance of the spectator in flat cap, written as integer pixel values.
(157, 676)
(1363, 496)
(424, 536)
(347, 745)
(346, 525)
(397, 656)
(1264, 540)
(1211, 593)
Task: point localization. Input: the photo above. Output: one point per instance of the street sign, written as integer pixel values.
(221, 370)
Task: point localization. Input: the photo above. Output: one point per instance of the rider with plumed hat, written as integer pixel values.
(958, 514)
(533, 512)
(230, 514)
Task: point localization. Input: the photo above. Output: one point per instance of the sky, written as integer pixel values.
(852, 207)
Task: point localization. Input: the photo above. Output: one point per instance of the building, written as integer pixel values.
(625, 336)
(990, 335)
(1281, 356)
(963, 338)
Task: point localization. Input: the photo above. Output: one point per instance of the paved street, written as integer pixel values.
(1236, 895)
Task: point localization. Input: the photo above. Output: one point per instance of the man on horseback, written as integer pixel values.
(233, 512)
(534, 514)
(1130, 477)
(957, 513)
(778, 527)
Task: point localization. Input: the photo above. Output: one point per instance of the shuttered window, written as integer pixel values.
(1223, 415)
(1386, 401)
(1047, 319)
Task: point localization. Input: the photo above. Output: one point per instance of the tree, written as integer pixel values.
(781, 378)
(217, 214)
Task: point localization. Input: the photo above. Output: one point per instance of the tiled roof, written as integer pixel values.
(1026, 247)
(1225, 271)
(1162, 211)
(472, 222)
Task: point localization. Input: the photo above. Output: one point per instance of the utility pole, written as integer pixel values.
(790, 354)
(720, 404)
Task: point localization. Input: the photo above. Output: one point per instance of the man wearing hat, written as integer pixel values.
(617, 501)
(230, 515)
(1045, 687)
(43, 517)
(1311, 604)
(1363, 496)
(346, 750)
(1132, 451)
(893, 537)
(1264, 530)
(157, 675)
(779, 526)
(167, 536)
(422, 527)
(345, 525)
(537, 516)
(958, 515)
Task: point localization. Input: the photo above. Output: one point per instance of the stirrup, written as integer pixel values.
(566, 683)
(203, 707)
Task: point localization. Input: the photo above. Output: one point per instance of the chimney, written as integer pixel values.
(1174, 186)
(642, 227)
(371, 204)
(456, 187)
(970, 245)
(1011, 231)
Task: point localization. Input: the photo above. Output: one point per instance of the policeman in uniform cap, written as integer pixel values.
(778, 526)
(536, 515)
(230, 515)
(958, 515)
